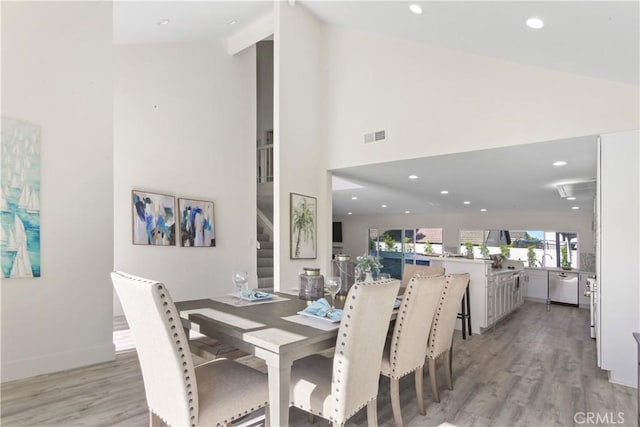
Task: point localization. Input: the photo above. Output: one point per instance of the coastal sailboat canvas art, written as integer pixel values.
(20, 199)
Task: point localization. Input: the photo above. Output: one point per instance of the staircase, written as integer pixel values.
(265, 261)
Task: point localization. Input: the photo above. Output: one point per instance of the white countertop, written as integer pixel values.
(559, 269)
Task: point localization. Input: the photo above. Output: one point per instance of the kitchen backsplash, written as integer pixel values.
(587, 261)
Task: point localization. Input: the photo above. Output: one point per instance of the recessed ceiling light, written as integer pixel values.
(354, 198)
(415, 9)
(575, 208)
(466, 202)
(349, 213)
(444, 192)
(407, 212)
(559, 163)
(535, 23)
(571, 198)
(232, 22)
(384, 206)
(164, 22)
(413, 176)
(483, 210)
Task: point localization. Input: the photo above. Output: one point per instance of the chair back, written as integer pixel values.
(358, 354)
(446, 314)
(427, 270)
(163, 349)
(411, 331)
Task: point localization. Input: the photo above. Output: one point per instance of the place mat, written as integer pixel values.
(220, 316)
(314, 323)
(236, 302)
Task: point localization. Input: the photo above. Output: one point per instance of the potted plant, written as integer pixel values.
(368, 264)
(428, 249)
(531, 256)
(564, 261)
(469, 248)
(484, 250)
(505, 250)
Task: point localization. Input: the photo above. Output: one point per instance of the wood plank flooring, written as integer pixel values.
(535, 368)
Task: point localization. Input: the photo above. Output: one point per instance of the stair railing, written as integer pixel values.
(266, 224)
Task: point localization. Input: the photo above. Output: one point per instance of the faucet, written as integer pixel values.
(542, 264)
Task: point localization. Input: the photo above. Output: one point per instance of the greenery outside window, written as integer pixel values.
(544, 248)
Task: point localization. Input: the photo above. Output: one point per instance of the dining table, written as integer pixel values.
(271, 329)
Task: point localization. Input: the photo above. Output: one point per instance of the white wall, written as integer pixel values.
(184, 125)
(56, 73)
(299, 123)
(618, 278)
(436, 101)
(355, 227)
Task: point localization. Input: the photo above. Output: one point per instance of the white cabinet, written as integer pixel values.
(504, 294)
(536, 283)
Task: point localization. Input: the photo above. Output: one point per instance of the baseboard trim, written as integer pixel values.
(50, 363)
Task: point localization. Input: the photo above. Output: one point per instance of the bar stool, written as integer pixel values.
(465, 313)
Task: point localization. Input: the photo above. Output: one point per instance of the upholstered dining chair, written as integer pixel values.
(335, 389)
(444, 322)
(406, 351)
(427, 270)
(179, 394)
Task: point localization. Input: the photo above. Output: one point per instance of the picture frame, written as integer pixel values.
(197, 223)
(153, 218)
(303, 224)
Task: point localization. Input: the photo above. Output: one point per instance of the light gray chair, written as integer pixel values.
(426, 270)
(179, 394)
(441, 336)
(405, 352)
(335, 389)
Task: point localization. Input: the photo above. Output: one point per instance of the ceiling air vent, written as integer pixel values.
(377, 136)
(574, 189)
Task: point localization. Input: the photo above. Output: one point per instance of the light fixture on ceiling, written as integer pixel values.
(349, 213)
(354, 198)
(559, 163)
(407, 212)
(575, 208)
(232, 22)
(415, 8)
(483, 210)
(164, 22)
(466, 202)
(571, 198)
(384, 206)
(535, 23)
(444, 192)
(413, 176)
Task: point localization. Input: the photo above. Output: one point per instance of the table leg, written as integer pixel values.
(279, 381)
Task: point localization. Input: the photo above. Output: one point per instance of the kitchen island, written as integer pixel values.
(493, 293)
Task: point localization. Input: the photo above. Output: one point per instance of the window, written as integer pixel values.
(546, 245)
(401, 246)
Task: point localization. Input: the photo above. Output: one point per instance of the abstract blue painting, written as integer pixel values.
(196, 223)
(154, 219)
(20, 199)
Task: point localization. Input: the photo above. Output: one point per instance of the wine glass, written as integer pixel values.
(240, 279)
(333, 285)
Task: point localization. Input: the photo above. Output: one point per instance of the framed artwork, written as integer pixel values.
(154, 218)
(20, 199)
(196, 223)
(303, 219)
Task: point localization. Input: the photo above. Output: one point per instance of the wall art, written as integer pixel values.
(303, 226)
(20, 199)
(154, 219)
(196, 223)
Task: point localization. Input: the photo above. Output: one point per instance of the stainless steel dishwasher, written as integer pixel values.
(563, 287)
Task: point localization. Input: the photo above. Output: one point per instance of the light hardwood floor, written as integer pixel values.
(535, 368)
